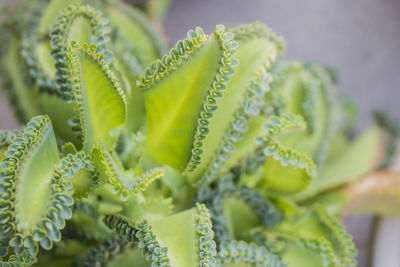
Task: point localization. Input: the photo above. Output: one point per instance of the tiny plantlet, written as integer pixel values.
(213, 153)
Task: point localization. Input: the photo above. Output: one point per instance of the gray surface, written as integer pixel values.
(7, 121)
(361, 38)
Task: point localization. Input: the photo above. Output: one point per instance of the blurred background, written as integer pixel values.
(360, 38)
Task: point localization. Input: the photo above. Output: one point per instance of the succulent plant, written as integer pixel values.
(214, 153)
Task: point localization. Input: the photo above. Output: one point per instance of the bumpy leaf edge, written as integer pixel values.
(171, 61)
(273, 148)
(243, 252)
(139, 233)
(264, 209)
(60, 45)
(218, 85)
(113, 175)
(76, 79)
(59, 208)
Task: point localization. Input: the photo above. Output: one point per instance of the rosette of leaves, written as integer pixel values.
(215, 154)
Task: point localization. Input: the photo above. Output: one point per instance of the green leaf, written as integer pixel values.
(51, 12)
(98, 96)
(22, 97)
(86, 221)
(35, 199)
(83, 175)
(238, 209)
(307, 91)
(258, 47)
(46, 59)
(286, 170)
(173, 240)
(133, 28)
(62, 115)
(149, 208)
(135, 45)
(314, 238)
(242, 254)
(173, 103)
(122, 182)
(352, 162)
(201, 99)
(32, 179)
(6, 138)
